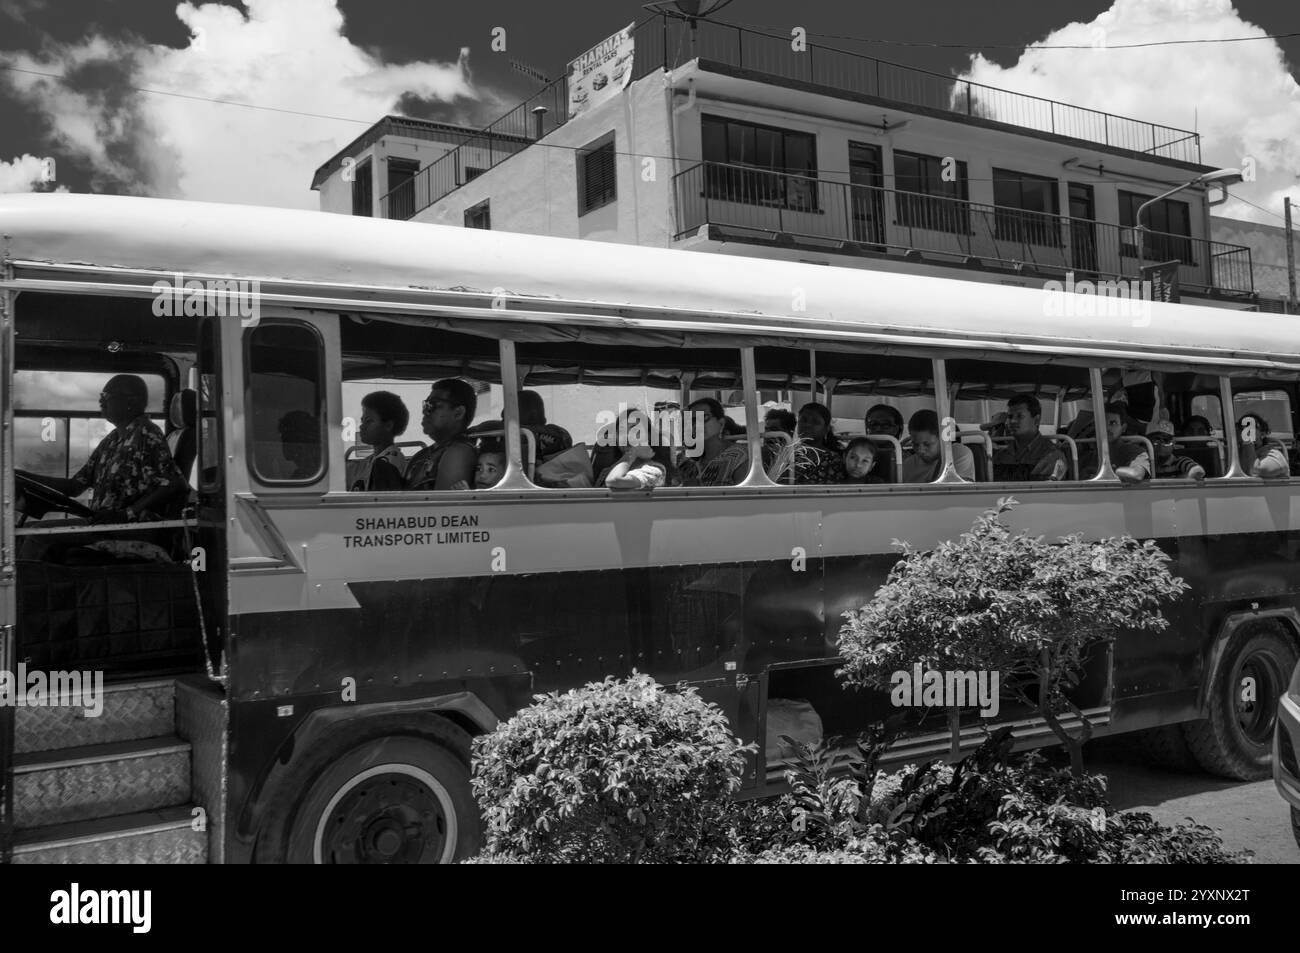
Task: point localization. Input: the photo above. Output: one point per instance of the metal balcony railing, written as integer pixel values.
(663, 42)
(754, 202)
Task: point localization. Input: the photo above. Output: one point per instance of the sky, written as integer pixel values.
(130, 110)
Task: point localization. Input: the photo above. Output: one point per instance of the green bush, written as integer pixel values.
(1017, 605)
(987, 808)
(613, 772)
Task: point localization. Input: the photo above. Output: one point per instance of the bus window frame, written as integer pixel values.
(323, 387)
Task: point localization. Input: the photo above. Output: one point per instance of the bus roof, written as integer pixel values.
(327, 256)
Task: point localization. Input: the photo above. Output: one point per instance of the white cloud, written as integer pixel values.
(287, 54)
(28, 173)
(1240, 97)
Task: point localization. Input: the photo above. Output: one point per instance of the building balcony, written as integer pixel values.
(665, 43)
(741, 203)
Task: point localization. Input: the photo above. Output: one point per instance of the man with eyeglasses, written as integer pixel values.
(450, 459)
(131, 472)
(1170, 465)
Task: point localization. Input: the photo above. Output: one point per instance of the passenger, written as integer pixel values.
(489, 470)
(859, 459)
(1198, 426)
(720, 463)
(300, 437)
(776, 421)
(383, 419)
(925, 461)
(882, 420)
(1169, 465)
(450, 459)
(1263, 457)
(1128, 458)
(550, 438)
(131, 472)
(822, 459)
(639, 468)
(1030, 456)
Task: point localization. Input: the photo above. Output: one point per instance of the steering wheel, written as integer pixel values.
(47, 499)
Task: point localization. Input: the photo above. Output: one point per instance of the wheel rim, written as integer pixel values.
(387, 814)
(1255, 688)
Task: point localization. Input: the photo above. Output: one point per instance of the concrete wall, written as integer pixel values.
(1267, 245)
(536, 191)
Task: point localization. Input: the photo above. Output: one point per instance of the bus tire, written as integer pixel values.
(1167, 747)
(1235, 741)
(378, 796)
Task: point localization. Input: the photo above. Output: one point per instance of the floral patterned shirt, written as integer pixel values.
(726, 469)
(821, 466)
(128, 464)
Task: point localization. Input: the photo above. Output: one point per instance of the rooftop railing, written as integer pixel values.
(663, 42)
(747, 202)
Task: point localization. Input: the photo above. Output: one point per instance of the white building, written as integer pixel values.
(732, 142)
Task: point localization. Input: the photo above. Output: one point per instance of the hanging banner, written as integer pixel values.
(601, 72)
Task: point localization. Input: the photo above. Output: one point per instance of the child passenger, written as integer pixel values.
(859, 459)
(383, 419)
(489, 470)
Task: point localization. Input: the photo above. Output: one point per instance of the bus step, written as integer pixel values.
(148, 837)
(96, 781)
(131, 710)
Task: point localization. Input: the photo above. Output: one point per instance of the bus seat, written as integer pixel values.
(182, 441)
(981, 451)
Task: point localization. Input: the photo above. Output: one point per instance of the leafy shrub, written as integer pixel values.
(613, 772)
(987, 808)
(1017, 605)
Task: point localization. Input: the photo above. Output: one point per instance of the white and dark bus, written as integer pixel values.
(307, 665)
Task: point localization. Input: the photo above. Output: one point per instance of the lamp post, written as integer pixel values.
(1222, 177)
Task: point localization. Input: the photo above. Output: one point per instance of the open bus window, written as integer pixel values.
(395, 364)
(869, 400)
(1036, 417)
(285, 405)
(616, 415)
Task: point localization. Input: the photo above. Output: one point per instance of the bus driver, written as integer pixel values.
(131, 471)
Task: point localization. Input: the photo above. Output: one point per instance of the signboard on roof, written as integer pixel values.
(600, 73)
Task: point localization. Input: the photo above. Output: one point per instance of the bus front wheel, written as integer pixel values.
(1235, 741)
(390, 799)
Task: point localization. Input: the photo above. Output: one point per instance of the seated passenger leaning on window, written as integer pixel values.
(819, 459)
(489, 470)
(383, 419)
(638, 467)
(450, 459)
(131, 471)
(719, 462)
(1263, 456)
(924, 462)
(883, 420)
(1170, 465)
(1030, 455)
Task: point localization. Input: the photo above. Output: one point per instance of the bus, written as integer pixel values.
(293, 671)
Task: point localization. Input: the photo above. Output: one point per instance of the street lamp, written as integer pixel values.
(1220, 177)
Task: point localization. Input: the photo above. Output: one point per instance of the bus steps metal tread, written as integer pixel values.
(132, 710)
(78, 784)
(153, 837)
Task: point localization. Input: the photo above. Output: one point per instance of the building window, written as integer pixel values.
(1027, 208)
(597, 177)
(479, 216)
(926, 199)
(1170, 229)
(363, 189)
(745, 161)
(401, 187)
(473, 172)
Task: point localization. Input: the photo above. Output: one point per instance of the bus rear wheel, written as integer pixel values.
(380, 799)
(1236, 740)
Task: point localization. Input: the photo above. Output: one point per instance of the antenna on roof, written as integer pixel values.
(530, 71)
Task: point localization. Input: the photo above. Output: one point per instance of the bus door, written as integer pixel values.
(8, 605)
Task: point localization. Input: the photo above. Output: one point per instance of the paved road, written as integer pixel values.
(1247, 815)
